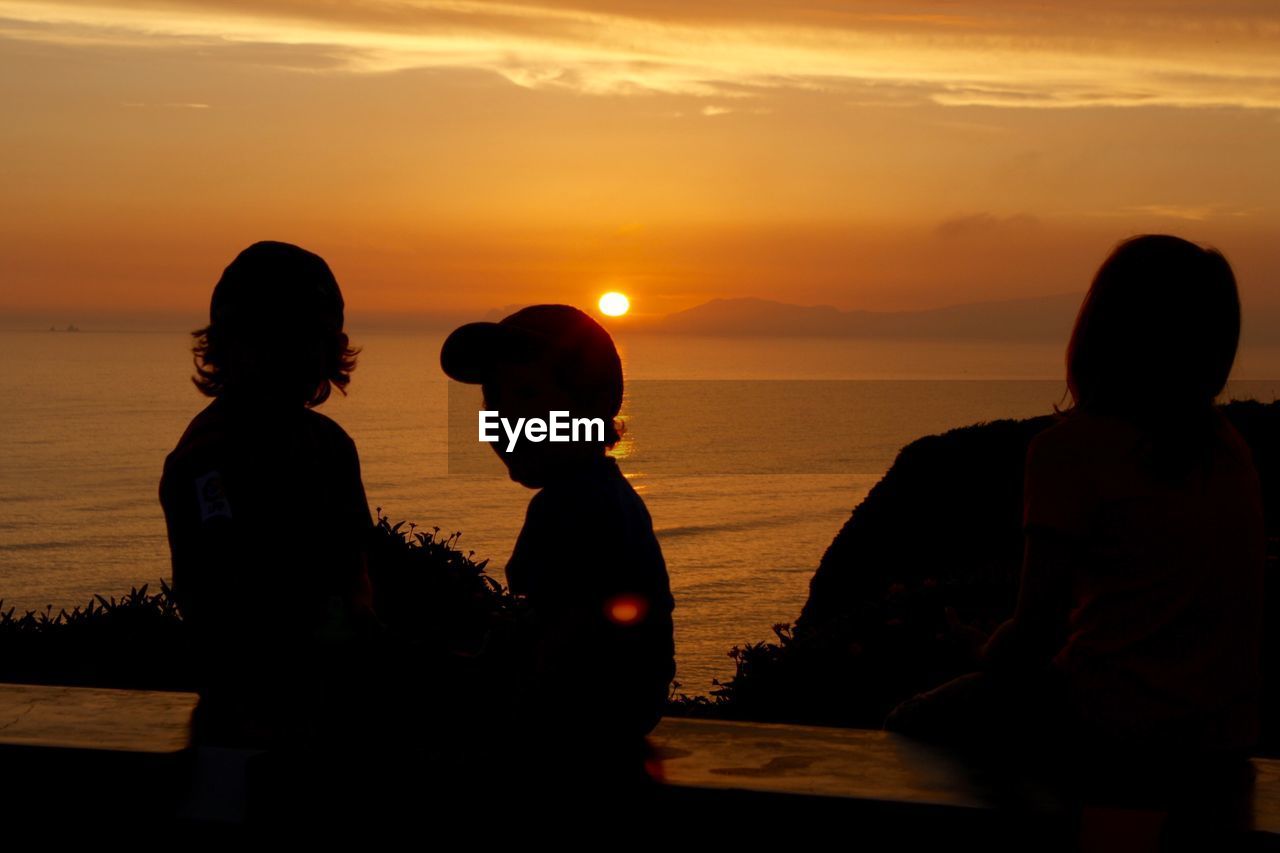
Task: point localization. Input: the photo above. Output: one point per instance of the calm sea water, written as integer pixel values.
(87, 419)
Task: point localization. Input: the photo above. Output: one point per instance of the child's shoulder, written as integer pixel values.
(328, 432)
(204, 433)
(1231, 437)
(217, 431)
(597, 493)
(1235, 449)
(327, 427)
(1081, 436)
(199, 452)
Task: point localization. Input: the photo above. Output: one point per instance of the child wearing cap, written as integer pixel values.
(587, 559)
(263, 499)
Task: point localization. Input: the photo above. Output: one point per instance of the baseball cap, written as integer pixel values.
(271, 282)
(577, 347)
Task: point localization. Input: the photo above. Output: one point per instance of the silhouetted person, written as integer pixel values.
(265, 507)
(1137, 631)
(587, 558)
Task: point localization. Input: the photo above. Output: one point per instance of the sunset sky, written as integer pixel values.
(457, 156)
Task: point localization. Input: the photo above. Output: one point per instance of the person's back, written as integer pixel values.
(590, 564)
(1165, 617)
(275, 500)
(1135, 641)
(263, 500)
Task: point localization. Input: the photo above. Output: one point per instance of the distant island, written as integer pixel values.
(1037, 319)
(1040, 318)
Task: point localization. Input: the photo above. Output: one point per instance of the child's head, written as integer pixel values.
(275, 329)
(541, 359)
(1157, 331)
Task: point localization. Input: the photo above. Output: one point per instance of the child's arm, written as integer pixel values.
(198, 518)
(351, 604)
(1055, 513)
(354, 586)
(601, 609)
(1038, 627)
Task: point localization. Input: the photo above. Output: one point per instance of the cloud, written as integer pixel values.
(171, 106)
(994, 54)
(981, 223)
(1185, 212)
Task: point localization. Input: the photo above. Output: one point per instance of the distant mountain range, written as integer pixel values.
(1040, 318)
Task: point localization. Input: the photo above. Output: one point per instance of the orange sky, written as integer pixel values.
(456, 156)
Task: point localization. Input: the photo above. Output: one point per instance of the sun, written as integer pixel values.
(614, 304)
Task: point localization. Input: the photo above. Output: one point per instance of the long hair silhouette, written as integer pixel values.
(277, 314)
(1155, 341)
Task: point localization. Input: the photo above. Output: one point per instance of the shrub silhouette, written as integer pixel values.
(435, 601)
(136, 641)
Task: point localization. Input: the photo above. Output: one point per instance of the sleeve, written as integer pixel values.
(627, 630)
(561, 561)
(1056, 489)
(177, 524)
(1056, 503)
(520, 569)
(197, 518)
(359, 524)
(361, 518)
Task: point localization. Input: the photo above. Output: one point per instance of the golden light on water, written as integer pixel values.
(614, 304)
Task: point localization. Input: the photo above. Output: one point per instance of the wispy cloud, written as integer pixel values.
(982, 223)
(1185, 212)
(138, 105)
(1084, 54)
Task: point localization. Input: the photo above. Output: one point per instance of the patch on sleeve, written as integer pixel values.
(213, 501)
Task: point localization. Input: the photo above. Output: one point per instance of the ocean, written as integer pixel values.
(749, 452)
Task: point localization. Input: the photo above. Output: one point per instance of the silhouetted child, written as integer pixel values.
(1138, 624)
(587, 558)
(265, 507)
